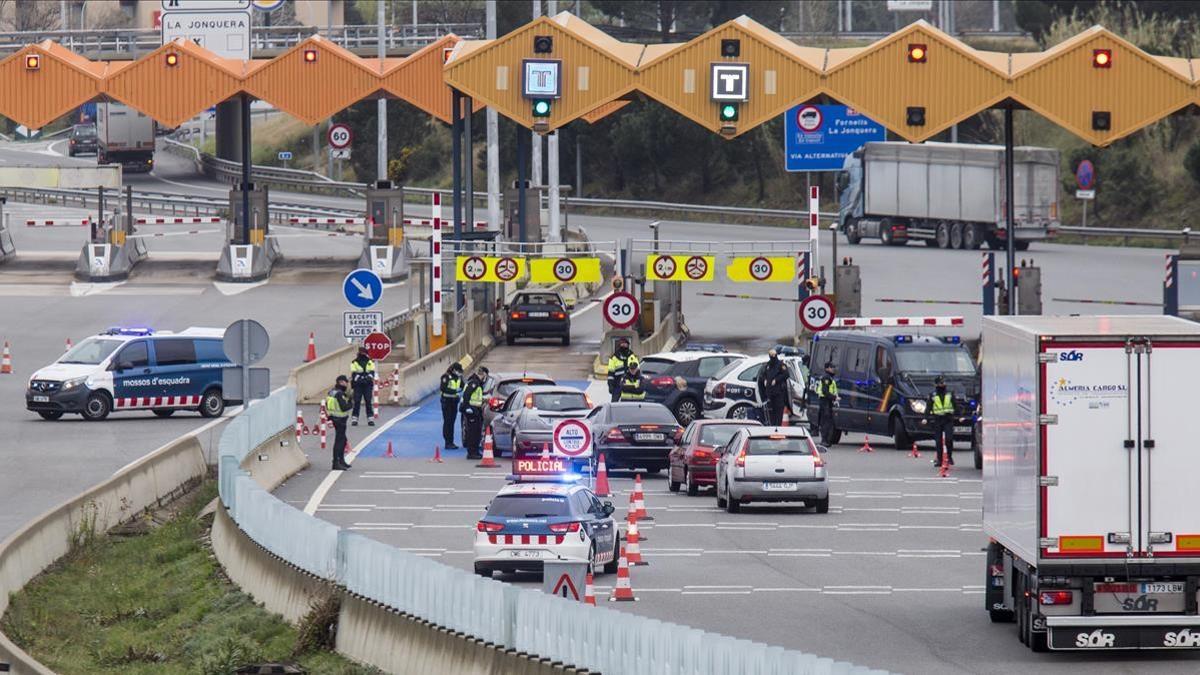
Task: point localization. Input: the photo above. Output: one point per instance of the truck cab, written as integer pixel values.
(885, 381)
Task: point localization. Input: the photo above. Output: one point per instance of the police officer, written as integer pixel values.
(451, 387)
(827, 397)
(941, 407)
(337, 408)
(472, 410)
(773, 389)
(633, 388)
(618, 364)
(362, 381)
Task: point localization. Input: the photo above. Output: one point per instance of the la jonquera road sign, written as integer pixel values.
(816, 313)
(819, 137)
(621, 309)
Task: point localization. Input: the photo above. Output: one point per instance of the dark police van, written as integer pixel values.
(885, 381)
(133, 369)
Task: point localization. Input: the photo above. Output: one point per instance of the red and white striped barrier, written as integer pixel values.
(396, 384)
(125, 403)
(893, 321)
(327, 221)
(313, 235)
(59, 222)
(435, 250)
(1168, 276)
(204, 220)
(169, 234)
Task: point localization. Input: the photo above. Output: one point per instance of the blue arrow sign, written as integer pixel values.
(362, 288)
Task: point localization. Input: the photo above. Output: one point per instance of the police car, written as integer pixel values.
(133, 369)
(528, 523)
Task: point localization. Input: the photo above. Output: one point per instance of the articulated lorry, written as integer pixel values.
(124, 136)
(951, 195)
(1090, 467)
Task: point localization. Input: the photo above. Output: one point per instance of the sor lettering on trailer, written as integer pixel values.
(1183, 637)
(1073, 355)
(1141, 603)
(1097, 639)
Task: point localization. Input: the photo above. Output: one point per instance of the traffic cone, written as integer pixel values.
(69, 345)
(602, 489)
(639, 499)
(623, 591)
(311, 354)
(545, 451)
(300, 428)
(389, 452)
(944, 469)
(866, 447)
(437, 455)
(6, 361)
(787, 419)
(589, 591)
(913, 453)
(632, 542)
(489, 459)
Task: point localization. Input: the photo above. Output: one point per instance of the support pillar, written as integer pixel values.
(1010, 235)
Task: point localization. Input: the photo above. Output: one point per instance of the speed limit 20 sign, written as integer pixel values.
(340, 136)
(621, 309)
(816, 313)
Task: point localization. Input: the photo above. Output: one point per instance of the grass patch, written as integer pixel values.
(158, 603)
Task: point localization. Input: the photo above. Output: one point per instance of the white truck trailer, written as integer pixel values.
(124, 136)
(1091, 461)
(950, 195)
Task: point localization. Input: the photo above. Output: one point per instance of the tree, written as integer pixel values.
(1191, 162)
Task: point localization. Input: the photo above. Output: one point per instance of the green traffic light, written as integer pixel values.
(729, 112)
(541, 108)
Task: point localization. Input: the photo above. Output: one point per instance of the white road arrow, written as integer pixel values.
(364, 292)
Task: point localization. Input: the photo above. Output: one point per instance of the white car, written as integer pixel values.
(771, 464)
(529, 523)
(732, 393)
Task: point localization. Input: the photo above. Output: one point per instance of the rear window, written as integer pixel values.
(509, 386)
(174, 352)
(560, 402)
(84, 132)
(654, 366)
(529, 506)
(717, 434)
(751, 374)
(648, 414)
(537, 299)
(789, 445)
(210, 351)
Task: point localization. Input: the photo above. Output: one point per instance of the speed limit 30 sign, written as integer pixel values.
(761, 269)
(565, 269)
(816, 313)
(621, 309)
(340, 136)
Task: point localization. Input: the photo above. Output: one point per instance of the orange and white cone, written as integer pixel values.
(6, 361)
(944, 469)
(437, 455)
(633, 552)
(602, 488)
(545, 452)
(623, 592)
(69, 345)
(489, 457)
(787, 419)
(589, 591)
(311, 353)
(390, 452)
(866, 446)
(913, 453)
(639, 499)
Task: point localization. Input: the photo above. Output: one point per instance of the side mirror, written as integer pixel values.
(608, 508)
(822, 449)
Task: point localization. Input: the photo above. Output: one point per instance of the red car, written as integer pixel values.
(693, 461)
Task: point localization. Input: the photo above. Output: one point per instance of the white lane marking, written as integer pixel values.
(591, 304)
(82, 289)
(51, 151)
(327, 484)
(235, 288)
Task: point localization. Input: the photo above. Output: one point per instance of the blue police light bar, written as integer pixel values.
(903, 339)
(952, 339)
(704, 347)
(132, 330)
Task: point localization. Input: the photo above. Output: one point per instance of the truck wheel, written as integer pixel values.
(956, 236)
(900, 434)
(972, 237)
(942, 235)
(853, 234)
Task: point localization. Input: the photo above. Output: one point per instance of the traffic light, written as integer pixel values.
(1101, 120)
(917, 53)
(310, 56)
(729, 112)
(731, 48)
(543, 44)
(1102, 58)
(541, 107)
(33, 61)
(813, 284)
(914, 116)
(172, 59)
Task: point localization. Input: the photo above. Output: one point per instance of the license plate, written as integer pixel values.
(539, 315)
(648, 437)
(525, 554)
(1143, 587)
(41, 399)
(964, 430)
(779, 486)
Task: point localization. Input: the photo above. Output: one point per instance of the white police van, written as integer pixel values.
(133, 369)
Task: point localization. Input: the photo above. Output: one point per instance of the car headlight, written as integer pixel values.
(73, 382)
(917, 405)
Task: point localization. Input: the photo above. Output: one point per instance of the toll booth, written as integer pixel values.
(847, 280)
(7, 248)
(533, 213)
(111, 251)
(1181, 283)
(249, 252)
(384, 248)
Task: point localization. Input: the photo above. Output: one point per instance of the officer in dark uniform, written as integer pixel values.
(827, 397)
(618, 364)
(451, 387)
(941, 408)
(337, 408)
(472, 410)
(773, 389)
(633, 387)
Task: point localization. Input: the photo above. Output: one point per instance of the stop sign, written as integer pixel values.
(378, 346)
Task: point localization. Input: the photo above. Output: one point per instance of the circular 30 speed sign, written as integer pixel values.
(565, 269)
(816, 313)
(572, 438)
(761, 269)
(621, 309)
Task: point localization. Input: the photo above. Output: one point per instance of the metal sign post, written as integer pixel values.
(245, 343)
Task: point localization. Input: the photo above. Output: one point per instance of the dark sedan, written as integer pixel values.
(82, 140)
(538, 315)
(664, 372)
(694, 459)
(634, 435)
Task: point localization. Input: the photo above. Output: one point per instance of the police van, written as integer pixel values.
(133, 369)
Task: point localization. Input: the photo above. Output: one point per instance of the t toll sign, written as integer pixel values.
(621, 309)
(378, 346)
(816, 313)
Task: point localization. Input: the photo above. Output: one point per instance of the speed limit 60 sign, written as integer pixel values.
(621, 309)
(340, 136)
(816, 313)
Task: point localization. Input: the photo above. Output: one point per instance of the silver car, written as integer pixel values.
(527, 418)
(771, 464)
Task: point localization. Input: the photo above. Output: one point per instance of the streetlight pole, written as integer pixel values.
(1010, 235)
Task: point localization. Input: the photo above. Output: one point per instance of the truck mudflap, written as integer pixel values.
(1087, 633)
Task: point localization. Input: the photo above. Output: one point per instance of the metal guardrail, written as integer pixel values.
(1127, 233)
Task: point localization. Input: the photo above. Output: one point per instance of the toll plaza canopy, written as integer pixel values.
(917, 81)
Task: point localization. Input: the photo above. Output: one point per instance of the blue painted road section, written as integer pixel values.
(416, 434)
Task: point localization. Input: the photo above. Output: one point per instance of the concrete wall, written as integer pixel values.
(314, 379)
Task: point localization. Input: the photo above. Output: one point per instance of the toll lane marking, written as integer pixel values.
(327, 483)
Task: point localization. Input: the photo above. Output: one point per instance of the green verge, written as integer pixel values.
(157, 602)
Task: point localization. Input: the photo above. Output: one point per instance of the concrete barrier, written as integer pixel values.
(276, 460)
(314, 379)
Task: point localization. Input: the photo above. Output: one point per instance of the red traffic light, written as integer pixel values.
(1102, 58)
(310, 56)
(917, 53)
(172, 59)
(33, 61)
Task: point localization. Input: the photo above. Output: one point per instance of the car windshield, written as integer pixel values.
(509, 386)
(538, 299)
(779, 445)
(91, 351)
(717, 434)
(529, 506)
(642, 414)
(560, 401)
(924, 361)
(653, 366)
(84, 132)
